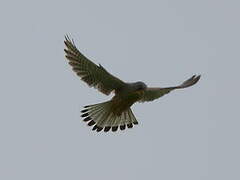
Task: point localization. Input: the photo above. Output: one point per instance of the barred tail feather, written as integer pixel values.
(102, 118)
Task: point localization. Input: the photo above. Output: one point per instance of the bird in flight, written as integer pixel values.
(116, 113)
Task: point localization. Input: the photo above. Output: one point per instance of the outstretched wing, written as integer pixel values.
(154, 93)
(95, 76)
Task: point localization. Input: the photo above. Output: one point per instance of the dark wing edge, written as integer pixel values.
(154, 93)
(95, 76)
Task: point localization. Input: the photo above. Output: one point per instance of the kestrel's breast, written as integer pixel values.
(123, 102)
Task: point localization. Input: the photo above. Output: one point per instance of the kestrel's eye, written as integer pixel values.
(141, 86)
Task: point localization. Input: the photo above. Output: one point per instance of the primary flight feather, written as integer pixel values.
(115, 113)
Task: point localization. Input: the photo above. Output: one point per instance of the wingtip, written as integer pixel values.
(66, 38)
(190, 82)
(197, 77)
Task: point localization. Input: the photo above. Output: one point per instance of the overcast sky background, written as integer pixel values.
(188, 134)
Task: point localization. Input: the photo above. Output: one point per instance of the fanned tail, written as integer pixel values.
(101, 116)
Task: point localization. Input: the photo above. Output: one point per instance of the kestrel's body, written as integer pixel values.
(116, 112)
(121, 102)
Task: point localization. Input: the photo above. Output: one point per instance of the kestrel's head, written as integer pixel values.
(140, 86)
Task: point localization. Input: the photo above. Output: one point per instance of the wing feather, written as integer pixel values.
(95, 76)
(154, 93)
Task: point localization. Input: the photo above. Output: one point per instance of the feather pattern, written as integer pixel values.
(102, 117)
(95, 76)
(151, 94)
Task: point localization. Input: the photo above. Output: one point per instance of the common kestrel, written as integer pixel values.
(115, 113)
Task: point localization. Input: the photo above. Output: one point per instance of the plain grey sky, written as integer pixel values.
(188, 134)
